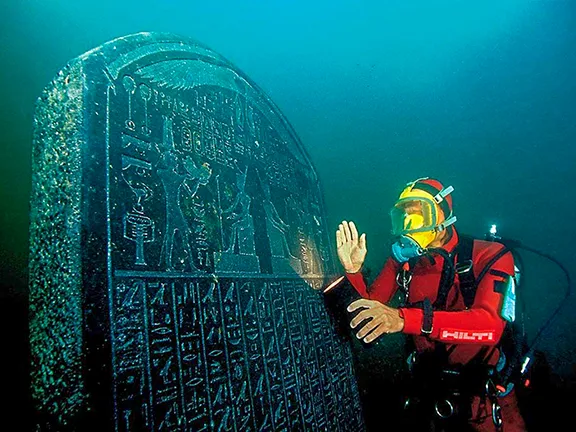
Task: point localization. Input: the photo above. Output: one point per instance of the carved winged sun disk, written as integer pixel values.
(187, 74)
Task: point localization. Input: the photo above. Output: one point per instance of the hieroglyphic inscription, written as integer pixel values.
(196, 402)
(228, 355)
(133, 404)
(286, 355)
(252, 334)
(272, 361)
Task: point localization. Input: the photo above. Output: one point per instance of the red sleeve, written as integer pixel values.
(383, 287)
(480, 324)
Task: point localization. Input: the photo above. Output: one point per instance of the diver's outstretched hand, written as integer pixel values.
(351, 248)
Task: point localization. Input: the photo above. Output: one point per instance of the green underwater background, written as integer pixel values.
(479, 94)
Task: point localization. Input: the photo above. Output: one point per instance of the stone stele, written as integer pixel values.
(178, 242)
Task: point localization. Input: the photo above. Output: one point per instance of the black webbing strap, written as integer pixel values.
(493, 261)
(446, 279)
(426, 328)
(465, 270)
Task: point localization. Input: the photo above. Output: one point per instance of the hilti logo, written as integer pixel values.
(470, 336)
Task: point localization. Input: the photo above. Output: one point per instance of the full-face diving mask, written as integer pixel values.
(417, 218)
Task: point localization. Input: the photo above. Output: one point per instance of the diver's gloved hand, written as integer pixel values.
(375, 319)
(351, 248)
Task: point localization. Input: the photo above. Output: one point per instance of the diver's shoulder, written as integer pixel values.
(488, 245)
(486, 250)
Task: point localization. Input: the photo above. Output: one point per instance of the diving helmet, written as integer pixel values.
(423, 209)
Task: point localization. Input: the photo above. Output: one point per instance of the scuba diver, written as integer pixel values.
(457, 302)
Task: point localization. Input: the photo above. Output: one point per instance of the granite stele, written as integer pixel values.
(178, 241)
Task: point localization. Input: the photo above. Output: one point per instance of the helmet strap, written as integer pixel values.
(439, 197)
(450, 221)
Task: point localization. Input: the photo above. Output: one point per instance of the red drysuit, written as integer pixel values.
(464, 331)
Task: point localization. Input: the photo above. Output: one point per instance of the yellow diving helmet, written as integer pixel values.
(423, 209)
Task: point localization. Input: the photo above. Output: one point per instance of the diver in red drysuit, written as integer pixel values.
(453, 336)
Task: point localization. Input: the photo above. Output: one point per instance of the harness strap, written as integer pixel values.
(428, 318)
(465, 269)
(488, 266)
(446, 279)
